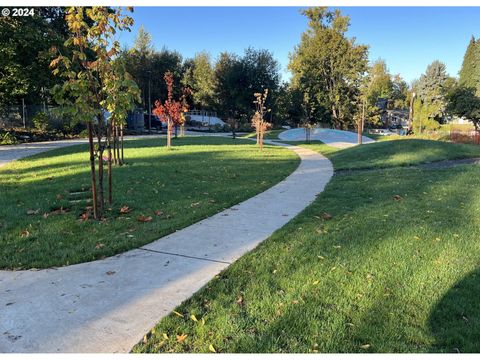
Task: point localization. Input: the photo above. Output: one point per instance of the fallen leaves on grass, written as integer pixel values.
(327, 216)
(25, 233)
(181, 338)
(33, 212)
(193, 317)
(177, 313)
(212, 349)
(397, 197)
(158, 212)
(143, 218)
(365, 346)
(316, 282)
(165, 336)
(125, 209)
(99, 246)
(84, 216)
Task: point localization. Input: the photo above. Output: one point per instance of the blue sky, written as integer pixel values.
(408, 38)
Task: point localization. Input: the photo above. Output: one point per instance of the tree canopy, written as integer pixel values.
(328, 67)
(24, 54)
(470, 70)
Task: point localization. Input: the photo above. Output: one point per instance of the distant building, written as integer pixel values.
(391, 118)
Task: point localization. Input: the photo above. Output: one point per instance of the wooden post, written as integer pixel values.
(92, 169)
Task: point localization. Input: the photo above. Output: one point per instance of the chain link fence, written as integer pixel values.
(22, 116)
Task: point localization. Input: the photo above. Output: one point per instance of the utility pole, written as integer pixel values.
(410, 114)
(360, 124)
(149, 106)
(23, 113)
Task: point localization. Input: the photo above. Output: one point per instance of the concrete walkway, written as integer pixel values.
(336, 138)
(10, 153)
(108, 305)
(14, 152)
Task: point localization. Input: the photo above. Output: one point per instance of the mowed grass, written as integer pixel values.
(200, 176)
(383, 261)
(394, 153)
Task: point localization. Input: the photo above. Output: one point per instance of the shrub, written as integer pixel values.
(8, 139)
(40, 121)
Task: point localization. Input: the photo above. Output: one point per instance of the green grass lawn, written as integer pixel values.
(402, 152)
(395, 269)
(200, 176)
(269, 135)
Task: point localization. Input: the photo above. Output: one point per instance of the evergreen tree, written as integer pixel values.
(470, 71)
(431, 90)
(199, 76)
(143, 42)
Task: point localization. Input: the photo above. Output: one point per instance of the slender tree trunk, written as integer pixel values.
(92, 169)
(109, 142)
(101, 196)
(114, 137)
(117, 148)
(121, 135)
(169, 133)
(260, 139)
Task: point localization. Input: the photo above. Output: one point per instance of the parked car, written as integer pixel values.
(156, 123)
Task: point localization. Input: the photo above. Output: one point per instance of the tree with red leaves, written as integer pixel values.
(171, 112)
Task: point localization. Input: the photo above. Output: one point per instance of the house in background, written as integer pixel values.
(391, 118)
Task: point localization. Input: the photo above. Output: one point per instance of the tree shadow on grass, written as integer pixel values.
(377, 277)
(455, 319)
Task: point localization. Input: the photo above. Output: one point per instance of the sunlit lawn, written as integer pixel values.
(395, 269)
(197, 178)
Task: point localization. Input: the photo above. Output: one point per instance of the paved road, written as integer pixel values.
(108, 305)
(336, 138)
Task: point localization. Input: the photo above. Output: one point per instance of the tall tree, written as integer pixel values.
(148, 69)
(400, 93)
(24, 54)
(199, 76)
(238, 77)
(143, 42)
(228, 75)
(259, 71)
(431, 90)
(328, 67)
(463, 102)
(380, 83)
(470, 71)
(95, 82)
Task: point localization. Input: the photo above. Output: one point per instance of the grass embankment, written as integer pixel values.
(384, 261)
(43, 196)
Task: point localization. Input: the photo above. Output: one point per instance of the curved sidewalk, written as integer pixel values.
(337, 138)
(108, 305)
